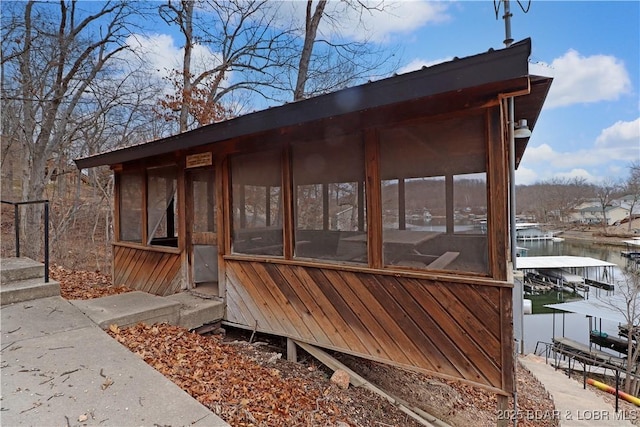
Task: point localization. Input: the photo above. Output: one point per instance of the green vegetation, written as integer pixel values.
(538, 302)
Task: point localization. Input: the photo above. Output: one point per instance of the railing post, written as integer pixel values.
(617, 388)
(16, 219)
(46, 241)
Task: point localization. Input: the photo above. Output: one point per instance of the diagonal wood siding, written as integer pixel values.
(144, 270)
(453, 329)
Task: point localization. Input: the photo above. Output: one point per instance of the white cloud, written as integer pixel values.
(620, 134)
(582, 80)
(156, 52)
(159, 54)
(526, 176)
(399, 17)
(549, 163)
(540, 154)
(577, 173)
(620, 141)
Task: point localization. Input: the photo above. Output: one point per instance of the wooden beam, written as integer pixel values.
(402, 205)
(223, 219)
(288, 204)
(357, 380)
(497, 195)
(374, 203)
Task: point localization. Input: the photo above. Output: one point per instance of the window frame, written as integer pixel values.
(142, 172)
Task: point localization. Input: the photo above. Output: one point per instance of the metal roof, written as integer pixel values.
(605, 308)
(504, 71)
(531, 262)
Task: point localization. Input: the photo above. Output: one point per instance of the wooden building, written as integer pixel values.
(373, 220)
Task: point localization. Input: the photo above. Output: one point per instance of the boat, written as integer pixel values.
(604, 340)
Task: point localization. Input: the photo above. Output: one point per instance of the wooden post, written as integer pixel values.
(503, 409)
(292, 351)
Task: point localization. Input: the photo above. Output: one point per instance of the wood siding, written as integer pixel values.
(155, 272)
(441, 326)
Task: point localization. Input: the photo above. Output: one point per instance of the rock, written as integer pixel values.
(341, 379)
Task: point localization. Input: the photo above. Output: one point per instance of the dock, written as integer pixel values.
(587, 354)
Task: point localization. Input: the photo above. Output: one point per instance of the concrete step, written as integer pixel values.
(27, 290)
(196, 311)
(129, 309)
(16, 269)
(183, 309)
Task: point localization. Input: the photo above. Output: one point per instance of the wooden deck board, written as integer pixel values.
(309, 311)
(345, 312)
(321, 309)
(485, 340)
(342, 330)
(461, 348)
(253, 286)
(399, 324)
(473, 339)
(293, 314)
(379, 342)
(430, 325)
(235, 286)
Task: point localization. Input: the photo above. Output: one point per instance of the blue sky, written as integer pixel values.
(590, 125)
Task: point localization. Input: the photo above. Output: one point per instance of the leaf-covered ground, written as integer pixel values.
(251, 384)
(78, 284)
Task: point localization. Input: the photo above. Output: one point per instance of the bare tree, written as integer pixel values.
(632, 189)
(256, 51)
(605, 193)
(52, 53)
(249, 51)
(626, 302)
(553, 199)
(181, 13)
(328, 62)
(312, 21)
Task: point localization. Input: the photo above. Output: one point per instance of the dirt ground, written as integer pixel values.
(248, 381)
(613, 235)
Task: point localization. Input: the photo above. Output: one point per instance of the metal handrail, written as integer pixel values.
(16, 221)
(548, 349)
(583, 360)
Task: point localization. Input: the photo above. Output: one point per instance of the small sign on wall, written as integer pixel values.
(200, 159)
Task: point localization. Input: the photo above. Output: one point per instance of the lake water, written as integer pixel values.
(542, 327)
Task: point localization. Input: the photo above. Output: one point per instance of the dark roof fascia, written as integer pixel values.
(493, 66)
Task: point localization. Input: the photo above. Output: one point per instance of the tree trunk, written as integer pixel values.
(311, 29)
(187, 12)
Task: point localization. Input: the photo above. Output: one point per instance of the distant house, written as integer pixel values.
(626, 202)
(332, 220)
(593, 214)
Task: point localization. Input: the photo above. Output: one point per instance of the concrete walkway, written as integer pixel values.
(575, 406)
(58, 368)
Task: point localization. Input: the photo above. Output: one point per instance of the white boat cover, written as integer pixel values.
(606, 308)
(535, 262)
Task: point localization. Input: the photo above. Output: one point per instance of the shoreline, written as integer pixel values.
(589, 236)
